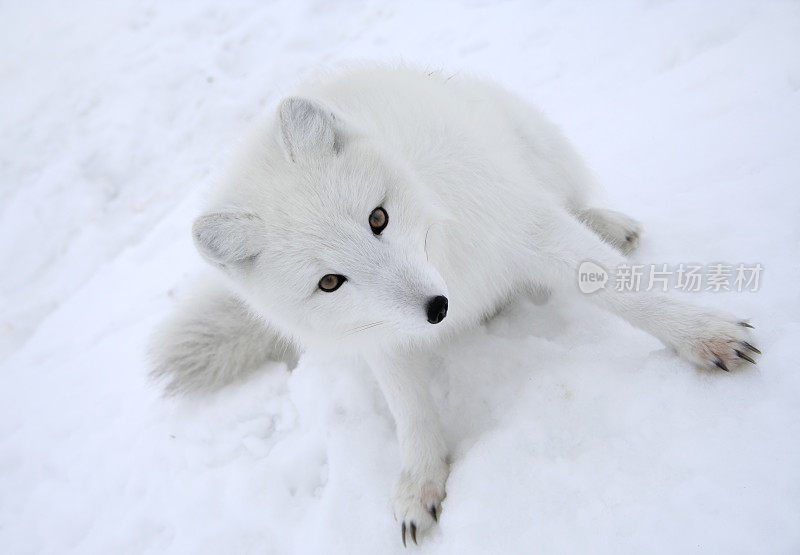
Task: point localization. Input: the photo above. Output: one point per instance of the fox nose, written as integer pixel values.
(437, 309)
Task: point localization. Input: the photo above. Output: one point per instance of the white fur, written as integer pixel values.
(486, 201)
(212, 339)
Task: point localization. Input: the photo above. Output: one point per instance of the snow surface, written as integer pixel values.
(570, 431)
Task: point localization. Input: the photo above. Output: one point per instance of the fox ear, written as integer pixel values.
(308, 128)
(228, 238)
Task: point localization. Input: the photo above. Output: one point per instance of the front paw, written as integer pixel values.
(417, 499)
(720, 343)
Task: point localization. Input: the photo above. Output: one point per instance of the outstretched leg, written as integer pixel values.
(419, 490)
(702, 336)
(211, 340)
(615, 228)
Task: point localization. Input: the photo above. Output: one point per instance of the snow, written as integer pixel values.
(570, 431)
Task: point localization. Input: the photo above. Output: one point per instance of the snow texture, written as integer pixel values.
(570, 431)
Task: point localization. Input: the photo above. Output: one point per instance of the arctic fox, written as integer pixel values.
(381, 211)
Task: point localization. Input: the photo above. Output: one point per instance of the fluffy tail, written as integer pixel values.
(211, 340)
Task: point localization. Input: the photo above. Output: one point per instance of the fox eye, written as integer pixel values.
(378, 220)
(331, 282)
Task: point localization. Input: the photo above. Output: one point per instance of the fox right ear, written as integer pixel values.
(308, 128)
(228, 238)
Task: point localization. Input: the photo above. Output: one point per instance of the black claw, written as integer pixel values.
(746, 325)
(749, 346)
(403, 530)
(721, 364)
(414, 532)
(433, 513)
(740, 354)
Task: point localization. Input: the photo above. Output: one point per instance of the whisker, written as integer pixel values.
(360, 327)
(369, 326)
(425, 245)
(363, 327)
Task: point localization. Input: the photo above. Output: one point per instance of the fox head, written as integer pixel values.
(326, 235)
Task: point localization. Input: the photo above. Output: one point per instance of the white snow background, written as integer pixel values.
(570, 431)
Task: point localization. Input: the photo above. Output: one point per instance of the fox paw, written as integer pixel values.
(418, 499)
(624, 233)
(615, 228)
(721, 344)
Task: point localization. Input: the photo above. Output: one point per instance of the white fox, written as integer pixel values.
(381, 211)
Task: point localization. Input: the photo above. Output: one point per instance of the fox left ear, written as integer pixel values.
(229, 239)
(308, 128)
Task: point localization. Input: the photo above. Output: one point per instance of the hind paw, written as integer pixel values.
(615, 228)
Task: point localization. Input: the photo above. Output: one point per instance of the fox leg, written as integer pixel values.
(704, 337)
(419, 490)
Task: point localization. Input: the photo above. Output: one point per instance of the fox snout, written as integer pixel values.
(437, 309)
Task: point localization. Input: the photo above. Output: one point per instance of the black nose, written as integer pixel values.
(437, 309)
